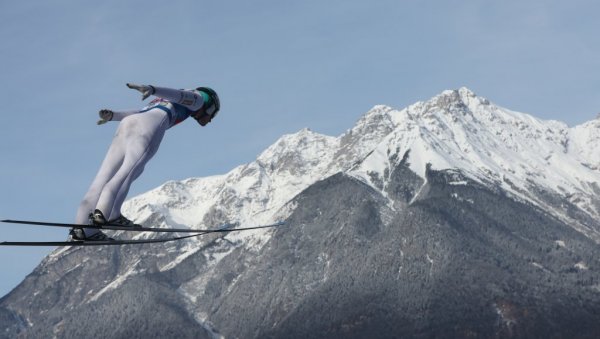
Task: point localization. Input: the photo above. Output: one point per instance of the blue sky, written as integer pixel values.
(279, 66)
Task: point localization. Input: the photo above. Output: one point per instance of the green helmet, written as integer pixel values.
(213, 103)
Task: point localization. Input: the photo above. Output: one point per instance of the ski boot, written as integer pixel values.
(97, 218)
(77, 234)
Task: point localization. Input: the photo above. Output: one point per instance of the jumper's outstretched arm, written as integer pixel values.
(190, 99)
(107, 115)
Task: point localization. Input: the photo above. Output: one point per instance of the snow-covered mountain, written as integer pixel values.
(514, 152)
(545, 163)
(396, 193)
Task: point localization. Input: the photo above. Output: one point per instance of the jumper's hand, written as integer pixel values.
(106, 115)
(146, 90)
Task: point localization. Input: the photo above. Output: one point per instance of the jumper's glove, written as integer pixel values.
(146, 90)
(106, 115)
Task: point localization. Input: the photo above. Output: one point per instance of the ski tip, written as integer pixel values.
(228, 226)
(279, 223)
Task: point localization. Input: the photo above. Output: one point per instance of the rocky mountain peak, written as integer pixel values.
(459, 101)
(298, 151)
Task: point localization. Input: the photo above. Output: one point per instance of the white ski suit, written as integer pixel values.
(137, 139)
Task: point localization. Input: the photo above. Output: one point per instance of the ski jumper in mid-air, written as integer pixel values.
(136, 141)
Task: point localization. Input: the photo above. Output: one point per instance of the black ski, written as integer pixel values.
(93, 243)
(223, 229)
